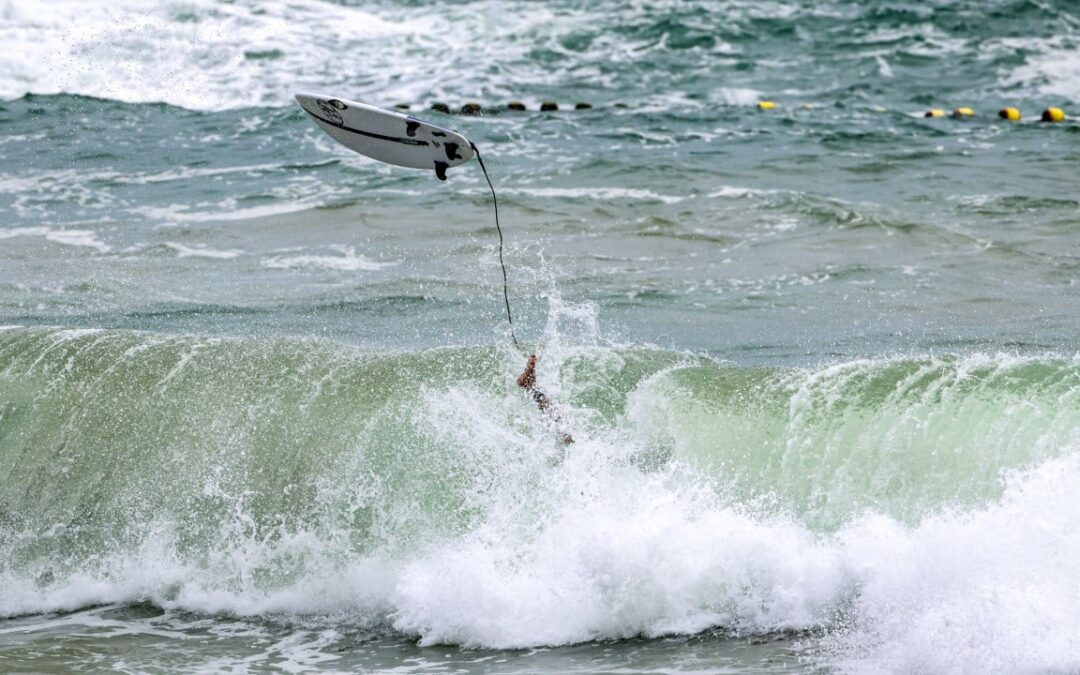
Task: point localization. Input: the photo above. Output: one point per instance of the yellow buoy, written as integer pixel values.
(963, 112)
(549, 106)
(1011, 114)
(879, 109)
(516, 106)
(936, 112)
(766, 105)
(1053, 115)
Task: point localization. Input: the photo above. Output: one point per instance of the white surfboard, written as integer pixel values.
(387, 136)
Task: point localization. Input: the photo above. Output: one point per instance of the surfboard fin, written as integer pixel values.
(440, 170)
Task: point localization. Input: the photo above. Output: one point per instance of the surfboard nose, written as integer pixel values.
(307, 102)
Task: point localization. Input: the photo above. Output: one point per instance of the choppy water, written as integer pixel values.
(256, 400)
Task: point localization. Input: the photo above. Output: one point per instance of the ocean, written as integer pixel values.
(819, 361)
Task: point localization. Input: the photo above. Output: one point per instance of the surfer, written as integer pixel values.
(527, 381)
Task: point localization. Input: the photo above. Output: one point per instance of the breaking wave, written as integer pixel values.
(919, 512)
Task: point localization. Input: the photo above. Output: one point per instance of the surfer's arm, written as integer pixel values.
(527, 380)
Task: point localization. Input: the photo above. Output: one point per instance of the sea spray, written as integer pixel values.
(992, 589)
(420, 493)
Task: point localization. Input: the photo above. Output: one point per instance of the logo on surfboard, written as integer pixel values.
(330, 110)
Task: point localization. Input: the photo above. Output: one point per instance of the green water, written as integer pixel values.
(257, 409)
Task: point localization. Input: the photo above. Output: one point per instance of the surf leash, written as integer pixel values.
(502, 264)
(347, 121)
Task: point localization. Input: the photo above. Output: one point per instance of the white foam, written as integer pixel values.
(187, 173)
(346, 260)
(742, 96)
(636, 560)
(733, 192)
(205, 55)
(202, 251)
(993, 590)
(223, 211)
(83, 238)
(563, 545)
(601, 193)
(987, 591)
(884, 69)
(1051, 66)
(192, 55)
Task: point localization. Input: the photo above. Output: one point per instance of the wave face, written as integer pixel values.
(919, 514)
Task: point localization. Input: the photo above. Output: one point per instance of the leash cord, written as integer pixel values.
(495, 201)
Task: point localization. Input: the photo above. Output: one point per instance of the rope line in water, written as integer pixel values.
(495, 201)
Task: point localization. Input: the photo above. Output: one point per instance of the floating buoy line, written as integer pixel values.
(395, 137)
(1052, 114)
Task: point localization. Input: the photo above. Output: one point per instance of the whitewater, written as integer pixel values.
(879, 512)
(257, 400)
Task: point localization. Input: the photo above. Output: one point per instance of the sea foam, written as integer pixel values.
(317, 484)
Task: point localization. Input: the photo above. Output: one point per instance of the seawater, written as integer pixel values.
(257, 407)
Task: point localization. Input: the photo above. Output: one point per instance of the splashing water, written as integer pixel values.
(418, 493)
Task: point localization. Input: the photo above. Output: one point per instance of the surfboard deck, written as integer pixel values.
(388, 136)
